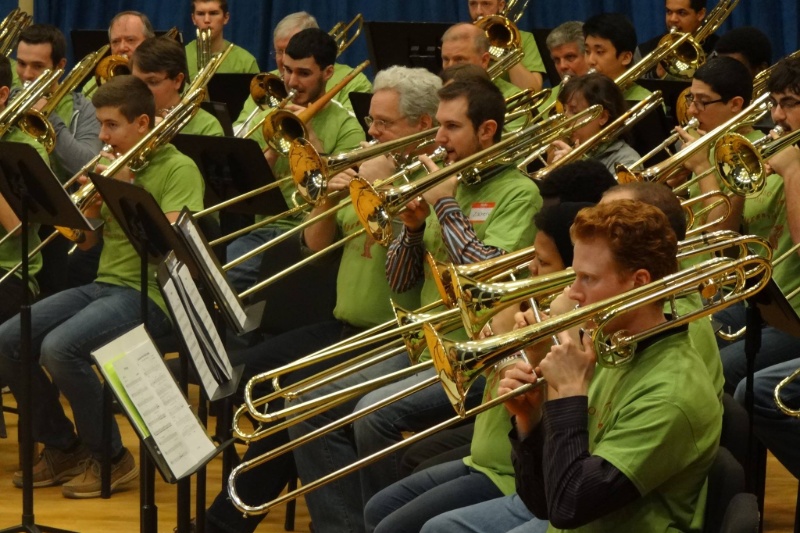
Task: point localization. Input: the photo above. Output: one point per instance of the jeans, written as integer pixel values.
(66, 327)
(339, 505)
(779, 432)
(501, 515)
(406, 505)
(266, 482)
(776, 347)
(244, 276)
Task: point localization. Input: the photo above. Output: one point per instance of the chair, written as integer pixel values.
(725, 481)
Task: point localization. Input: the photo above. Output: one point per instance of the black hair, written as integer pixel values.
(752, 43)
(313, 42)
(484, 101)
(697, 5)
(223, 5)
(785, 76)
(615, 27)
(727, 77)
(596, 88)
(581, 181)
(161, 54)
(555, 221)
(46, 34)
(6, 77)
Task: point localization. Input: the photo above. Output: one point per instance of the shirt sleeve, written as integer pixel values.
(77, 143)
(463, 245)
(573, 487)
(405, 260)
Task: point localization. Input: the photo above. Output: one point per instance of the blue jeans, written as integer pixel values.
(244, 276)
(406, 505)
(339, 505)
(779, 432)
(776, 347)
(501, 515)
(66, 327)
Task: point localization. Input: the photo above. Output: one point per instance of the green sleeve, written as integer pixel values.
(185, 187)
(532, 59)
(511, 227)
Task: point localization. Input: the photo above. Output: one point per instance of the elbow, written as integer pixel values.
(563, 520)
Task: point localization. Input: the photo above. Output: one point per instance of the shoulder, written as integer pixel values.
(80, 100)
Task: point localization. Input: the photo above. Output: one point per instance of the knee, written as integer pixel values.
(738, 394)
(9, 339)
(55, 356)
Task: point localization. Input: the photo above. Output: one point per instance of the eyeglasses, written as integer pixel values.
(379, 123)
(152, 82)
(699, 104)
(277, 53)
(787, 104)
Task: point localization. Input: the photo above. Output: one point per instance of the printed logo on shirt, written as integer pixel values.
(480, 211)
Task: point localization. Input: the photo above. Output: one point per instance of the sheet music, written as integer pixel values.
(198, 244)
(157, 401)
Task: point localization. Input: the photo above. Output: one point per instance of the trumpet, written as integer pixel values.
(35, 122)
(376, 210)
(282, 127)
(340, 32)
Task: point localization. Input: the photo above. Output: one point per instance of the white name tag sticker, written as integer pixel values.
(480, 211)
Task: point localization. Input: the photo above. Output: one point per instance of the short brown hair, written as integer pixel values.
(161, 54)
(223, 5)
(638, 235)
(129, 94)
(484, 101)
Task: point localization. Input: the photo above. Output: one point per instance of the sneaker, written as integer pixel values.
(87, 484)
(55, 467)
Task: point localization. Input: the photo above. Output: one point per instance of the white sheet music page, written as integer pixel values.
(175, 429)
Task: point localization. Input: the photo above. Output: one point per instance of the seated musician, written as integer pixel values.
(126, 31)
(161, 64)
(508, 513)
(778, 431)
(610, 44)
(567, 48)
(486, 472)
(308, 65)
(527, 74)
(456, 223)
(404, 103)
(747, 44)
(721, 88)
(10, 252)
(67, 326)
(214, 14)
(42, 46)
(284, 31)
(579, 94)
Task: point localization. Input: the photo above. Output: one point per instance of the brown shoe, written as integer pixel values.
(87, 484)
(55, 467)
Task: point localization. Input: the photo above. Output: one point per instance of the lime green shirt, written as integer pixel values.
(359, 84)
(10, 250)
(658, 421)
(636, 93)
(174, 181)
(363, 296)
(239, 60)
(204, 123)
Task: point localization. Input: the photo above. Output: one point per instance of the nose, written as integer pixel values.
(778, 115)
(440, 138)
(575, 294)
(373, 132)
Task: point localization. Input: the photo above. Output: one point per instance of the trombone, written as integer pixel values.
(10, 29)
(761, 79)
(203, 47)
(18, 108)
(376, 209)
(692, 124)
(340, 32)
(456, 363)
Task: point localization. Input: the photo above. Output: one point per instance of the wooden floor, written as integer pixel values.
(121, 512)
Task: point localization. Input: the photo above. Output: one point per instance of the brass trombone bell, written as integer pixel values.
(340, 32)
(502, 33)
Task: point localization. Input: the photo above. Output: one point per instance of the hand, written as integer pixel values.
(786, 163)
(557, 150)
(534, 352)
(377, 168)
(92, 209)
(445, 189)
(699, 161)
(526, 407)
(40, 104)
(569, 366)
(415, 213)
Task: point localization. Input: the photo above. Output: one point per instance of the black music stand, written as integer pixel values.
(540, 36)
(361, 103)
(671, 89)
(410, 44)
(233, 89)
(220, 112)
(36, 196)
(153, 237)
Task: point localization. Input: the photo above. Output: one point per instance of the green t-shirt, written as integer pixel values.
(532, 59)
(14, 76)
(658, 421)
(765, 215)
(239, 60)
(509, 89)
(636, 93)
(174, 181)
(490, 449)
(336, 128)
(204, 123)
(701, 332)
(359, 84)
(10, 250)
(362, 292)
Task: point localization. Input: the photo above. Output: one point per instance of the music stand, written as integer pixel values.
(540, 36)
(36, 196)
(220, 112)
(410, 44)
(153, 237)
(233, 89)
(361, 102)
(671, 89)
(230, 167)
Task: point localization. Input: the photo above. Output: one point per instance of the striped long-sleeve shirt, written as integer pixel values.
(405, 258)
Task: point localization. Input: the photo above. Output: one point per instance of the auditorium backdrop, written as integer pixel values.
(252, 20)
